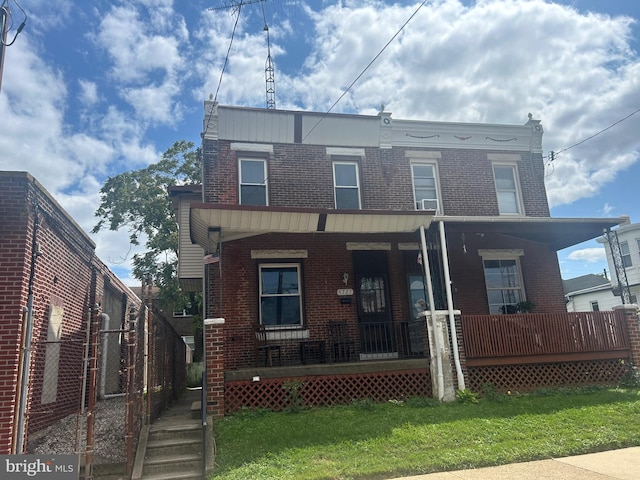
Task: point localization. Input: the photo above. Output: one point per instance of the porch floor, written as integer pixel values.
(342, 368)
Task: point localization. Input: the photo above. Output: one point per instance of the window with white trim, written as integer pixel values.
(346, 185)
(504, 284)
(280, 295)
(425, 186)
(594, 306)
(507, 189)
(253, 181)
(625, 253)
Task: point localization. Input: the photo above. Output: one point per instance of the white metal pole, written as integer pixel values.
(452, 318)
(434, 322)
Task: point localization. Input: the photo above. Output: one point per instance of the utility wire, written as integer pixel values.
(367, 67)
(595, 134)
(224, 66)
(226, 58)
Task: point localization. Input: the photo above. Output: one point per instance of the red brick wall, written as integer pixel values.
(302, 176)
(62, 277)
(322, 272)
(539, 264)
(15, 235)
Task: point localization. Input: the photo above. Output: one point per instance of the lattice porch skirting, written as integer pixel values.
(328, 389)
(529, 377)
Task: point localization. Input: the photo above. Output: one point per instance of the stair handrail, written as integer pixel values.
(203, 413)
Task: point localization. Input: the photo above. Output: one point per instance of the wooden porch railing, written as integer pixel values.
(571, 335)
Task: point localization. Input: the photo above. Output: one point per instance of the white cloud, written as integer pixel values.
(590, 255)
(88, 93)
(149, 65)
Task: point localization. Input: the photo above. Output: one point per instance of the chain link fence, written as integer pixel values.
(87, 392)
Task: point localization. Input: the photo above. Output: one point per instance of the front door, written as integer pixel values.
(374, 308)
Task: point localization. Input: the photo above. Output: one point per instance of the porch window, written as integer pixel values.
(253, 181)
(425, 188)
(504, 285)
(507, 190)
(280, 299)
(417, 295)
(346, 185)
(625, 253)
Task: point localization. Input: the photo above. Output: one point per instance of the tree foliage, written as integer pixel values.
(138, 200)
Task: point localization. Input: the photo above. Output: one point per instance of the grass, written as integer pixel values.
(378, 441)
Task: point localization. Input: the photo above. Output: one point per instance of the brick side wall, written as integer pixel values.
(62, 284)
(15, 239)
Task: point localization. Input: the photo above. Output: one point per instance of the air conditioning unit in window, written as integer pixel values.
(429, 204)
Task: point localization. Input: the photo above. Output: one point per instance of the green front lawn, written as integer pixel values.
(381, 441)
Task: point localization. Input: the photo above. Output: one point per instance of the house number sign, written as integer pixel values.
(345, 292)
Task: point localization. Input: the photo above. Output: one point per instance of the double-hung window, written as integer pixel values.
(280, 295)
(346, 185)
(507, 189)
(425, 186)
(625, 253)
(503, 280)
(253, 181)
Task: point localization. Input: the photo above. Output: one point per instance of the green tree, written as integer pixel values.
(138, 200)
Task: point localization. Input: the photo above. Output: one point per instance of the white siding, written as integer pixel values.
(190, 264)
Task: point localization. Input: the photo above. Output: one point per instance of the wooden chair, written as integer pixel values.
(266, 349)
(342, 347)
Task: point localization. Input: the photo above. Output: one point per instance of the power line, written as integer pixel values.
(226, 58)
(367, 67)
(595, 134)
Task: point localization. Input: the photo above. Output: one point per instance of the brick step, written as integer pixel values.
(174, 464)
(173, 446)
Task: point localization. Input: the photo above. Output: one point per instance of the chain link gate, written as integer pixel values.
(87, 395)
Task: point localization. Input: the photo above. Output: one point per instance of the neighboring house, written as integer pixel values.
(628, 238)
(50, 281)
(589, 293)
(312, 221)
(595, 292)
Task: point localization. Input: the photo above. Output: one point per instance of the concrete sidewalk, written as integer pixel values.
(621, 464)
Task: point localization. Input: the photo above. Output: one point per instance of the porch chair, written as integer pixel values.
(267, 349)
(342, 347)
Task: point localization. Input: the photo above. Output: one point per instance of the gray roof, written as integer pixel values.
(583, 282)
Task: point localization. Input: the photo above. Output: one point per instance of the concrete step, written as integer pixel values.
(173, 476)
(175, 464)
(175, 430)
(173, 446)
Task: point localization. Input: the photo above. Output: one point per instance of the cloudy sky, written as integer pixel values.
(91, 89)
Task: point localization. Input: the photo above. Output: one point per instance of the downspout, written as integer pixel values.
(452, 318)
(432, 308)
(26, 358)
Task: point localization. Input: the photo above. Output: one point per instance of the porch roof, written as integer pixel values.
(559, 233)
(211, 223)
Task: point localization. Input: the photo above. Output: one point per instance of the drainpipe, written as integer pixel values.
(452, 318)
(434, 323)
(26, 357)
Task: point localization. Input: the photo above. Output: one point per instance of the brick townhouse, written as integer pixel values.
(50, 278)
(327, 237)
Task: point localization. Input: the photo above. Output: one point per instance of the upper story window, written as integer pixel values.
(253, 181)
(346, 185)
(425, 186)
(594, 306)
(507, 189)
(280, 297)
(625, 253)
